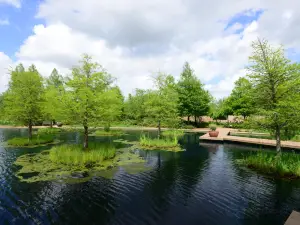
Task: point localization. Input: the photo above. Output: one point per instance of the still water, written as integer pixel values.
(202, 185)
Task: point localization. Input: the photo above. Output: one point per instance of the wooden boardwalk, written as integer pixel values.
(224, 136)
(294, 219)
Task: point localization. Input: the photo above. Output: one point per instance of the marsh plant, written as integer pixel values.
(287, 165)
(75, 155)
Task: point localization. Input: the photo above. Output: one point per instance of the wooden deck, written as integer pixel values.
(294, 219)
(223, 137)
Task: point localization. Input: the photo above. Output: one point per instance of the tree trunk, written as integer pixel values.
(86, 137)
(278, 141)
(195, 120)
(188, 118)
(30, 130)
(51, 124)
(159, 129)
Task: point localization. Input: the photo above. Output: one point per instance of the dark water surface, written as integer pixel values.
(202, 185)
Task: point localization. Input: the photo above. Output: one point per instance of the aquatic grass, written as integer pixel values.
(284, 165)
(108, 133)
(36, 140)
(159, 143)
(252, 135)
(173, 133)
(75, 155)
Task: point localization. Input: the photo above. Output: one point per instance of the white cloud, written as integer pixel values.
(5, 65)
(133, 38)
(15, 3)
(4, 22)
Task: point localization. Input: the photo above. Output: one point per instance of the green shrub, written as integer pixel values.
(213, 127)
(285, 165)
(36, 140)
(75, 155)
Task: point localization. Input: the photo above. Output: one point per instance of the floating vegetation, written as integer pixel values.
(108, 133)
(40, 167)
(36, 140)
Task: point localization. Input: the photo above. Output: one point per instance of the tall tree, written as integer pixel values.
(22, 102)
(161, 104)
(54, 92)
(193, 99)
(240, 99)
(276, 88)
(90, 100)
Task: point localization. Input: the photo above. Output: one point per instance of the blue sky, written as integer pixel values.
(21, 23)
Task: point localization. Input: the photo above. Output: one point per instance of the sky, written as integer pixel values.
(133, 39)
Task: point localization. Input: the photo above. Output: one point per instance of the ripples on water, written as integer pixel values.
(202, 185)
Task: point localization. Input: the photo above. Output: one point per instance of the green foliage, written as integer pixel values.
(275, 82)
(34, 141)
(220, 109)
(90, 98)
(287, 165)
(193, 99)
(23, 100)
(213, 127)
(74, 154)
(240, 100)
(160, 144)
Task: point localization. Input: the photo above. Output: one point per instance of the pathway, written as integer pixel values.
(223, 136)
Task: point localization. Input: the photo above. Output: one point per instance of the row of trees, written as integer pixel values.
(269, 96)
(170, 100)
(88, 97)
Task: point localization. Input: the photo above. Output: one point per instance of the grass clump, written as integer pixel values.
(173, 133)
(36, 140)
(108, 133)
(43, 131)
(164, 143)
(284, 165)
(75, 155)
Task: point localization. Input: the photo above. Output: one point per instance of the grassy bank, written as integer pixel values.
(286, 165)
(75, 155)
(43, 131)
(170, 144)
(108, 133)
(35, 141)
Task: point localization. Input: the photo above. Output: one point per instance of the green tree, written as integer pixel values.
(55, 79)
(90, 99)
(276, 88)
(23, 100)
(240, 99)
(220, 109)
(54, 92)
(134, 106)
(193, 99)
(161, 104)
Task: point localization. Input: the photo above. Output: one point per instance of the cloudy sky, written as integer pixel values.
(133, 39)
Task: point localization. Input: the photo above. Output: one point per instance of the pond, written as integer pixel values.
(201, 185)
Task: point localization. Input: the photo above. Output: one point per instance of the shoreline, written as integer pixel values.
(194, 130)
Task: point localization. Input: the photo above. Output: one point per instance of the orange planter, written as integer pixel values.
(213, 133)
